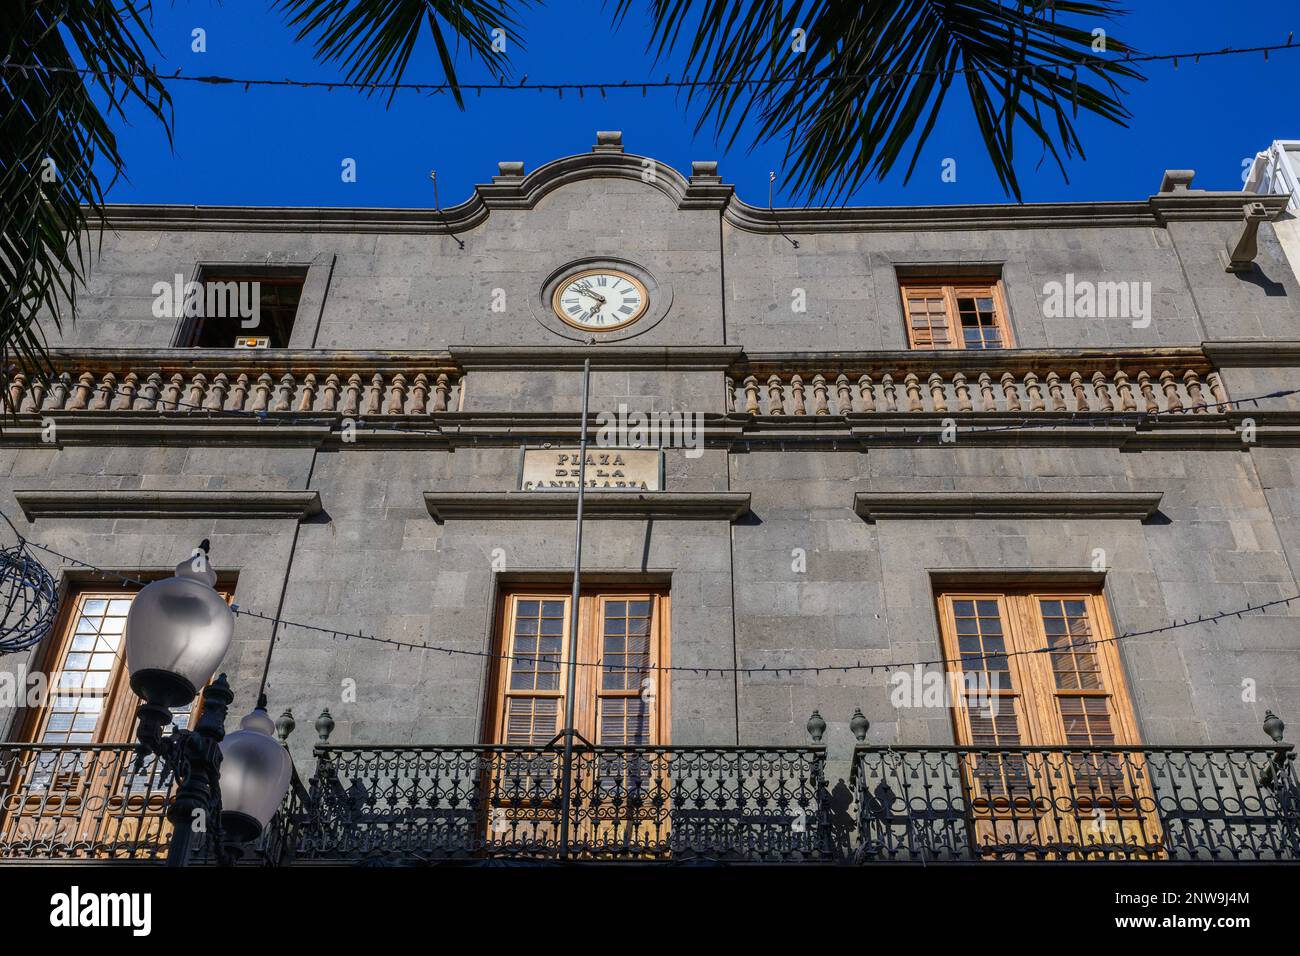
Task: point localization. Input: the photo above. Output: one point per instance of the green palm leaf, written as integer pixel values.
(874, 75)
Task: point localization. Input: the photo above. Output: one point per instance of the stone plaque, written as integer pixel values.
(608, 469)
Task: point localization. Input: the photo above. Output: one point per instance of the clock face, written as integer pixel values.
(600, 300)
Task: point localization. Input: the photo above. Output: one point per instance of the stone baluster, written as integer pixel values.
(988, 401)
(59, 394)
(104, 393)
(151, 391)
(126, 393)
(1011, 391)
(262, 393)
(1101, 389)
(1124, 388)
(197, 389)
(961, 388)
(1057, 391)
(441, 392)
(239, 393)
(1192, 381)
(1170, 386)
(1034, 389)
(775, 396)
(330, 394)
(751, 395)
(308, 398)
(843, 395)
(820, 394)
(171, 396)
(1148, 393)
(35, 396)
(216, 399)
(352, 396)
(420, 395)
(284, 398)
(797, 406)
(17, 388)
(375, 395)
(1217, 391)
(1080, 393)
(81, 394)
(913, 386)
(938, 399)
(397, 397)
(890, 392)
(867, 393)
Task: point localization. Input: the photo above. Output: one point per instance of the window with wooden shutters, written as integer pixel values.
(1061, 683)
(620, 693)
(955, 315)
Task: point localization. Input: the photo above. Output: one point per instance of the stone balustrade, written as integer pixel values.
(1157, 381)
(351, 384)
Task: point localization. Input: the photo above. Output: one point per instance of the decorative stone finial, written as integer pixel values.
(816, 727)
(608, 141)
(324, 726)
(705, 170)
(284, 726)
(1177, 180)
(859, 724)
(1273, 726)
(509, 171)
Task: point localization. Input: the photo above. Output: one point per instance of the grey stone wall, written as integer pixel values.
(375, 560)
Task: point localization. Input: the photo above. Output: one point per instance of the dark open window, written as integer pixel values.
(245, 308)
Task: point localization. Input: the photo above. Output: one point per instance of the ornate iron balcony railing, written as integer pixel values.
(435, 803)
(1186, 804)
(93, 802)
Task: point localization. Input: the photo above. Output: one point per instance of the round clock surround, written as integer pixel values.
(657, 299)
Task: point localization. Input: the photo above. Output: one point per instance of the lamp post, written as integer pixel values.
(177, 632)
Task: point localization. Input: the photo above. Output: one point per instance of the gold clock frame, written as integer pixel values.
(568, 280)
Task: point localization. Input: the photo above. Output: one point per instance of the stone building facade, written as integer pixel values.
(365, 475)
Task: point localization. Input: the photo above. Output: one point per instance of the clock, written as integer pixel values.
(600, 300)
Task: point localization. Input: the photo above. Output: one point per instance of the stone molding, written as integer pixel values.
(562, 505)
(923, 505)
(141, 503)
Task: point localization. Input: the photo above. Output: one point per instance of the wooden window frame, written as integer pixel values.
(1032, 675)
(588, 690)
(950, 288)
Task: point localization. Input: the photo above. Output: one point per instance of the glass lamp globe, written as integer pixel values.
(177, 632)
(255, 773)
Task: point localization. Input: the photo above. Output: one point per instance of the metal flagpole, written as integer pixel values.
(566, 783)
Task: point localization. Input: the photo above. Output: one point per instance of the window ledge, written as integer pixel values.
(665, 505)
(137, 503)
(873, 506)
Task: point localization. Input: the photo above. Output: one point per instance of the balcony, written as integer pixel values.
(417, 805)
(1182, 804)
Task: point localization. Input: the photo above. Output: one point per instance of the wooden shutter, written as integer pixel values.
(956, 315)
(536, 643)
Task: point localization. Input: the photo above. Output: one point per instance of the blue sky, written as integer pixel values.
(285, 147)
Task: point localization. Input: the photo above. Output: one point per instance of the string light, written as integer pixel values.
(963, 661)
(1094, 63)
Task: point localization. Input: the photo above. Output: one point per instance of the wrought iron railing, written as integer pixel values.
(99, 802)
(435, 803)
(936, 804)
(81, 802)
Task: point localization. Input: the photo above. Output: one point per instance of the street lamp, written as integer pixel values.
(177, 632)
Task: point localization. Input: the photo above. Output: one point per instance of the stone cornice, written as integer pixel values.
(530, 505)
(949, 360)
(139, 503)
(922, 505)
(1248, 353)
(513, 189)
(274, 361)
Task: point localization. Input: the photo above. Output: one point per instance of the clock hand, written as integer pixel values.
(584, 290)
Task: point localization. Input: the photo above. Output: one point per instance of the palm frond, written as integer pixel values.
(874, 76)
(52, 132)
(374, 39)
